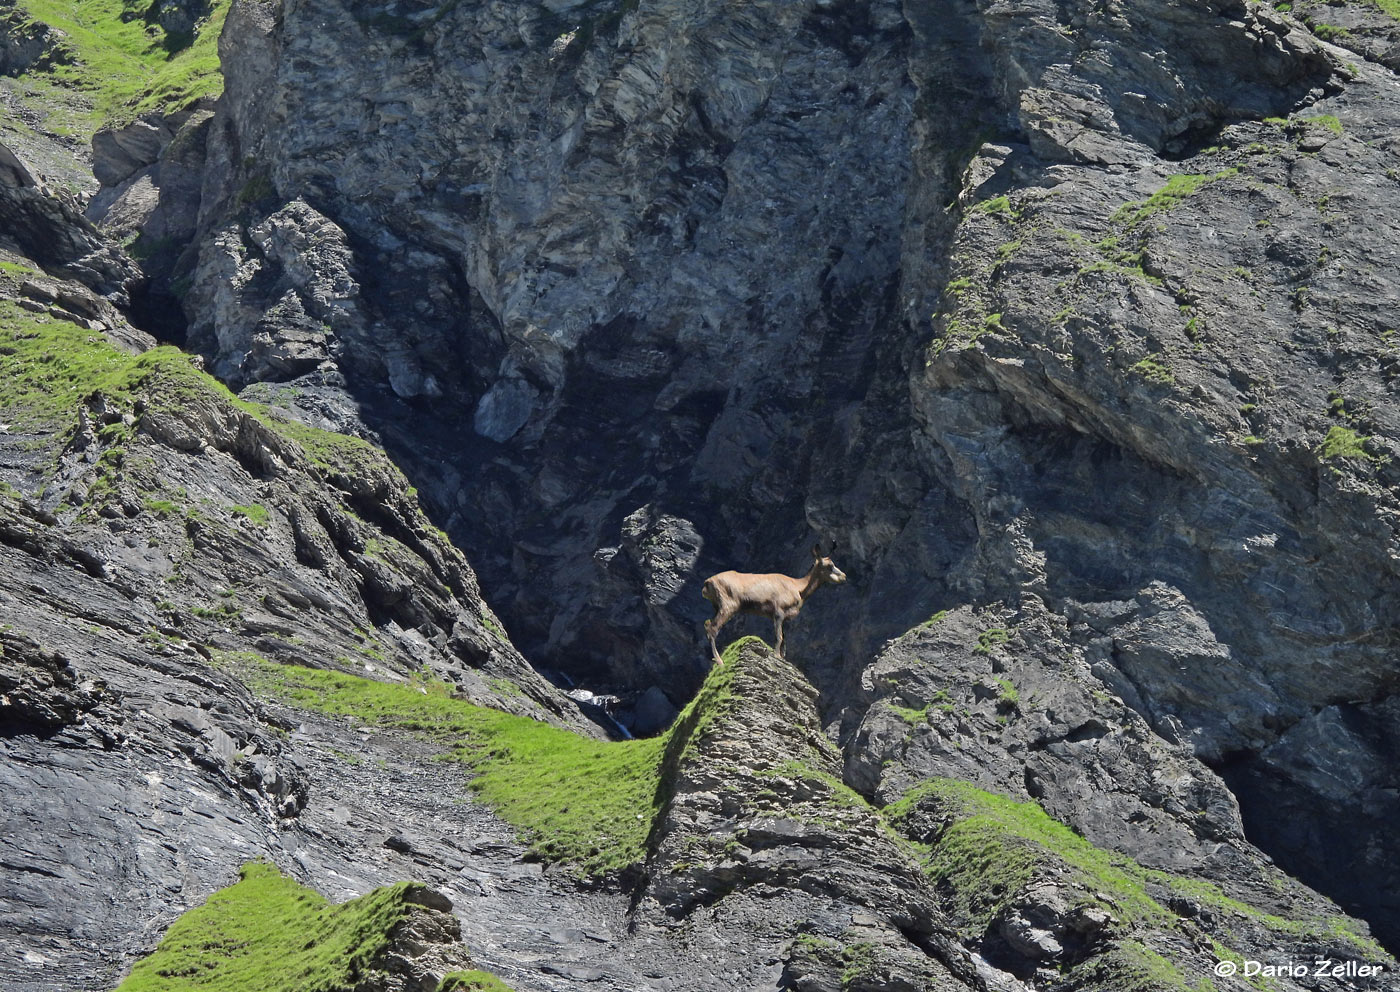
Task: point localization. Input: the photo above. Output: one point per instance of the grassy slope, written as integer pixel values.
(577, 800)
(49, 366)
(266, 933)
(126, 67)
(996, 845)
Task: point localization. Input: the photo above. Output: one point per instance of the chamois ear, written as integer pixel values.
(817, 550)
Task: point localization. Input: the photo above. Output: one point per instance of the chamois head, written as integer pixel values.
(825, 568)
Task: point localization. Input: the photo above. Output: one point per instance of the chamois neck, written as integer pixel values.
(810, 583)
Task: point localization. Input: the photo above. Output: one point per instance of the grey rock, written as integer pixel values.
(652, 713)
(42, 224)
(504, 409)
(118, 153)
(940, 704)
(27, 44)
(280, 293)
(757, 812)
(39, 691)
(683, 259)
(1363, 29)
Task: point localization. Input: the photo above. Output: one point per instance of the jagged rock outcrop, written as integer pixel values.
(45, 225)
(763, 843)
(1005, 703)
(951, 876)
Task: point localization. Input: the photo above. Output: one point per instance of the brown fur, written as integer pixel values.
(768, 594)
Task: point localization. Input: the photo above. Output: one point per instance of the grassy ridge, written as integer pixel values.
(587, 802)
(126, 66)
(266, 933)
(996, 845)
(48, 367)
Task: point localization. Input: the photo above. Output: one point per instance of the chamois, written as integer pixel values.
(770, 595)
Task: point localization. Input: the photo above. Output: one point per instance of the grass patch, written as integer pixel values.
(473, 981)
(1328, 121)
(575, 799)
(48, 367)
(255, 512)
(998, 845)
(1343, 442)
(267, 933)
(990, 638)
(586, 802)
(1154, 369)
(1178, 188)
(126, 66)
(997, 205)
(18, 270)
(910, 715)
(1131, 966)
(1007, 695)
(1328, 32)
(327, 449)
(504, 688)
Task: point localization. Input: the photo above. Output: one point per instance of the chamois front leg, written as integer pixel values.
(778, 634)
(722, 616)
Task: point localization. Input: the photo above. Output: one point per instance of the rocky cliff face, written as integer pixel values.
(153, 529)
(1002, 303)
(1071, 324)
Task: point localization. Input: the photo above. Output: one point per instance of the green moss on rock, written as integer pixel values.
(1177, 188)
(997, 845)
(993, 846)
(267, 933)
(1131, 966)
(49, 367)
(1343, 442)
